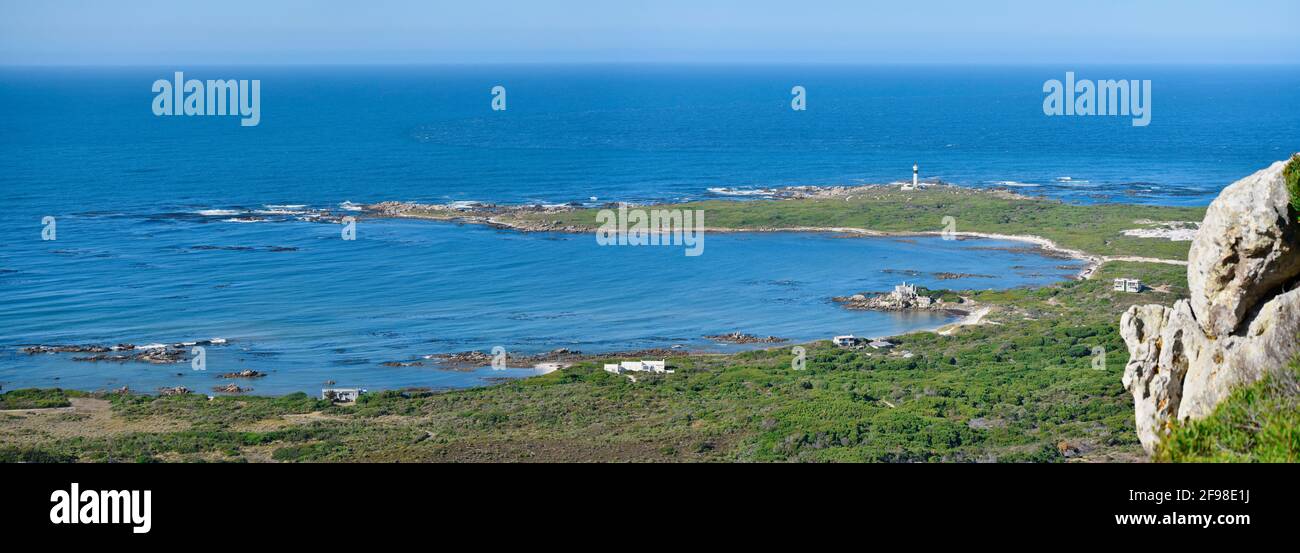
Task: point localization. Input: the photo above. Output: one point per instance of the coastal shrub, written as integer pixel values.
(33, 455)
(306, 452)
(33, 398)
(1291, 173)
(219, 412)
(1256, 423)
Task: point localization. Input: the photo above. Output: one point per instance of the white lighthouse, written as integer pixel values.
(916, 179)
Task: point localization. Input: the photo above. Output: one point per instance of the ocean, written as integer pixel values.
(148, 249)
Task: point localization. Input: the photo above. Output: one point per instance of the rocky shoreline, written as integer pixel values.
(158, 354)
(904, 297)
(562, 357)
(742, 338)
(494, 215)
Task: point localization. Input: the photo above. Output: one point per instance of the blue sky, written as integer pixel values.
(142, 32)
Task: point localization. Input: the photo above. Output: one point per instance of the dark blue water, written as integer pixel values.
(645, 132)
(134, 263)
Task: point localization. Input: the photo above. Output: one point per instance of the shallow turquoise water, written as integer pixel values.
(298, 302)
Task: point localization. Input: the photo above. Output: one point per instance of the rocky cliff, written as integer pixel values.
(1242, 318)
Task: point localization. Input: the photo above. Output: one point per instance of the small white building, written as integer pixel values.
(846, 341)
(1128, 285)
(659, 367)
(881, 344)
(341, 395)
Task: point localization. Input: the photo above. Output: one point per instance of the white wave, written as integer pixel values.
(349, 206)
(152, 346)
(1015, 183)
(244, 220)
(724, 191)
(285, 206)
(218, 212)
(465, 204)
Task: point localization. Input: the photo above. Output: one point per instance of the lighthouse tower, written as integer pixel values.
(915, 176)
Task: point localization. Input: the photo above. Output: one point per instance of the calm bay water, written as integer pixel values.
(135, 262)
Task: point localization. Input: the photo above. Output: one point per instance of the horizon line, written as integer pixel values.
(152, 65)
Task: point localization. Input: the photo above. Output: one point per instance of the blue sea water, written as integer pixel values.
(135, 261)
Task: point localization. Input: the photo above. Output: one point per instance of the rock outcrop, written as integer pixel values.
(1241, 321)
(1245, 249)
(742, 338)
(905, 297)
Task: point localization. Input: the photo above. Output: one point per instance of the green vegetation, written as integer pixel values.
(33, 398)
(1028, 388)
(1257, 423)
(1095, 229)
(1291, 173)
(219, 411)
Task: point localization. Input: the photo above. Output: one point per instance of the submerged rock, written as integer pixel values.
(246, 373)
(231, 389)
(1242, 319)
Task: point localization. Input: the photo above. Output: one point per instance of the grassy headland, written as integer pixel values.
(1095, 229)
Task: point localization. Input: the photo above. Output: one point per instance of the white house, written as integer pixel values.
(846, 341)
(1128, 285)
(341, 395)
(660, 367)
